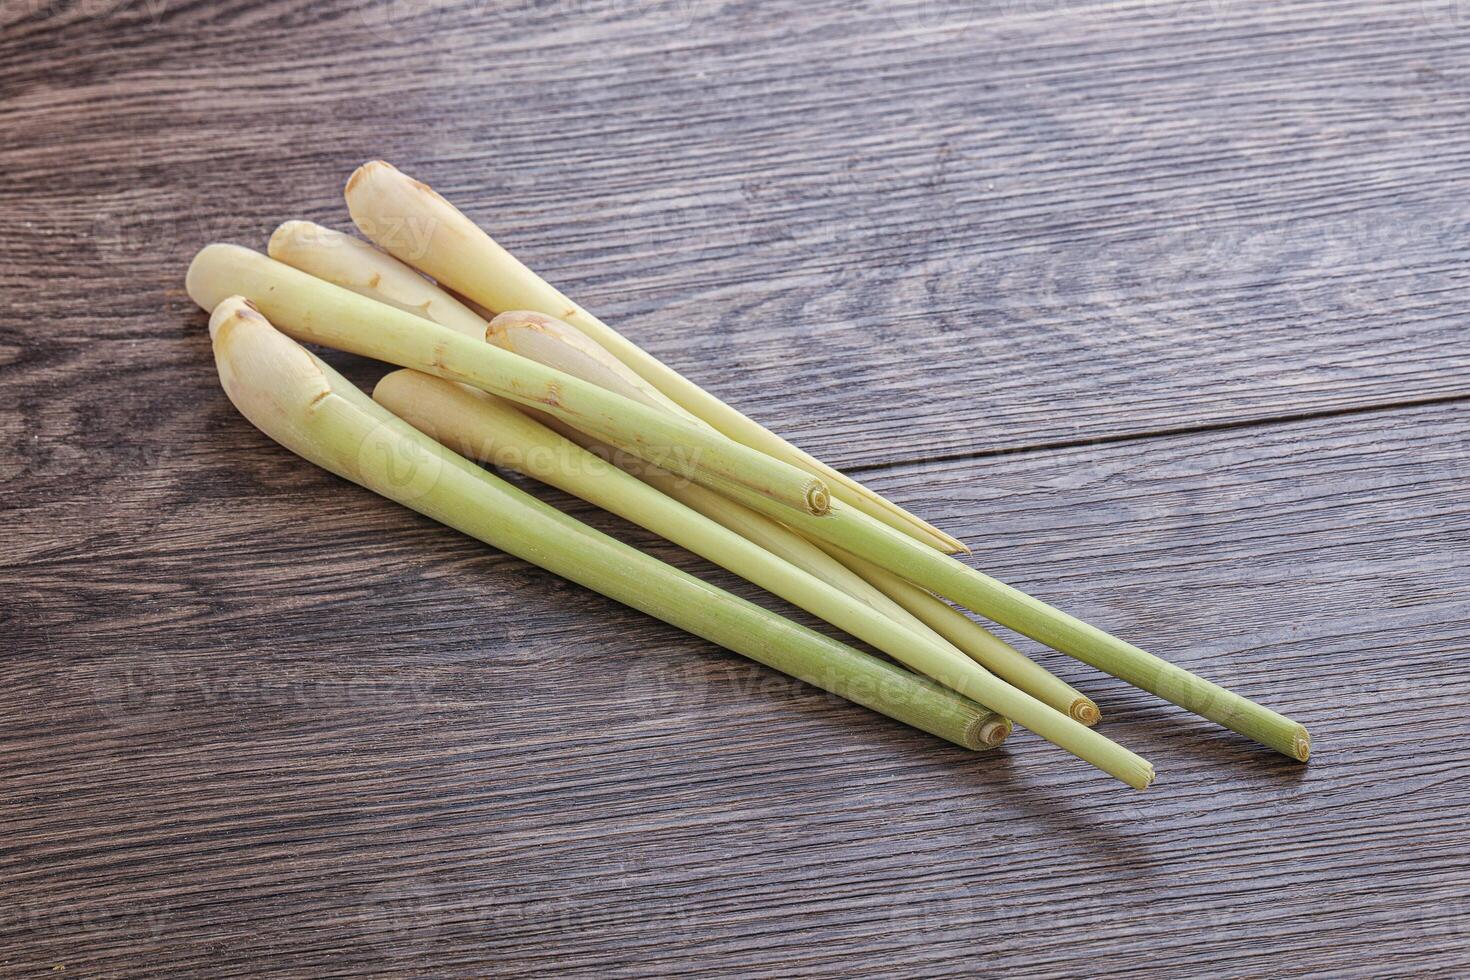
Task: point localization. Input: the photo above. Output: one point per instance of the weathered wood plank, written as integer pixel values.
(223, 752)
(898, 232)
(891, 234)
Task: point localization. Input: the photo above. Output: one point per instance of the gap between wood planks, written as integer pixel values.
(1183, 430)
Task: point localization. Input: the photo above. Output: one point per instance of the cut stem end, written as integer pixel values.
(1302, 745)
(1085, 711)
(995, 731)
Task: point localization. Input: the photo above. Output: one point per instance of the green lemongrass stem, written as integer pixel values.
(927, 617)
(312, 309)
(307, 407)
(480, 426)
(559, 345)
(407, 218)
(492, 430)
(356, 265)
(855, 532)
(987, 649)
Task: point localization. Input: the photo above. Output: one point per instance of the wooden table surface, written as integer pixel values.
(1160, 304)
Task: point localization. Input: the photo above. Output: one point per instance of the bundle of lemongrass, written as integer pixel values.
(501, 368)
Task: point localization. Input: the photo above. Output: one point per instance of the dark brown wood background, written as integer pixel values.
(1161, 304)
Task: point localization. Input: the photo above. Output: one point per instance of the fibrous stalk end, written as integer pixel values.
(818, 498)
(995, 731)
(1084, 710)
(1302, 745)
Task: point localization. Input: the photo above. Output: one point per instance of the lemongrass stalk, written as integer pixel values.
(987, 649)
(540, 334)
(407, 218)
(303, 404)
(491, 429)
(312, 309)
(480, 426)
(558, 344)
(855, 532)
(356, 265)
(1132, 664)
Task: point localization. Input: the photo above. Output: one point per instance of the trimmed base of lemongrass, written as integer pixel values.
(987, 649)
(473, 423)
(559, 345)
(314, 310)
(303, 404)
(1085, 710)
(354, 264)
(464, 258)
(944, 576)
(994, 731)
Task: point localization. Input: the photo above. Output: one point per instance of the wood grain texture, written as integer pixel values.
(1173, 291)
